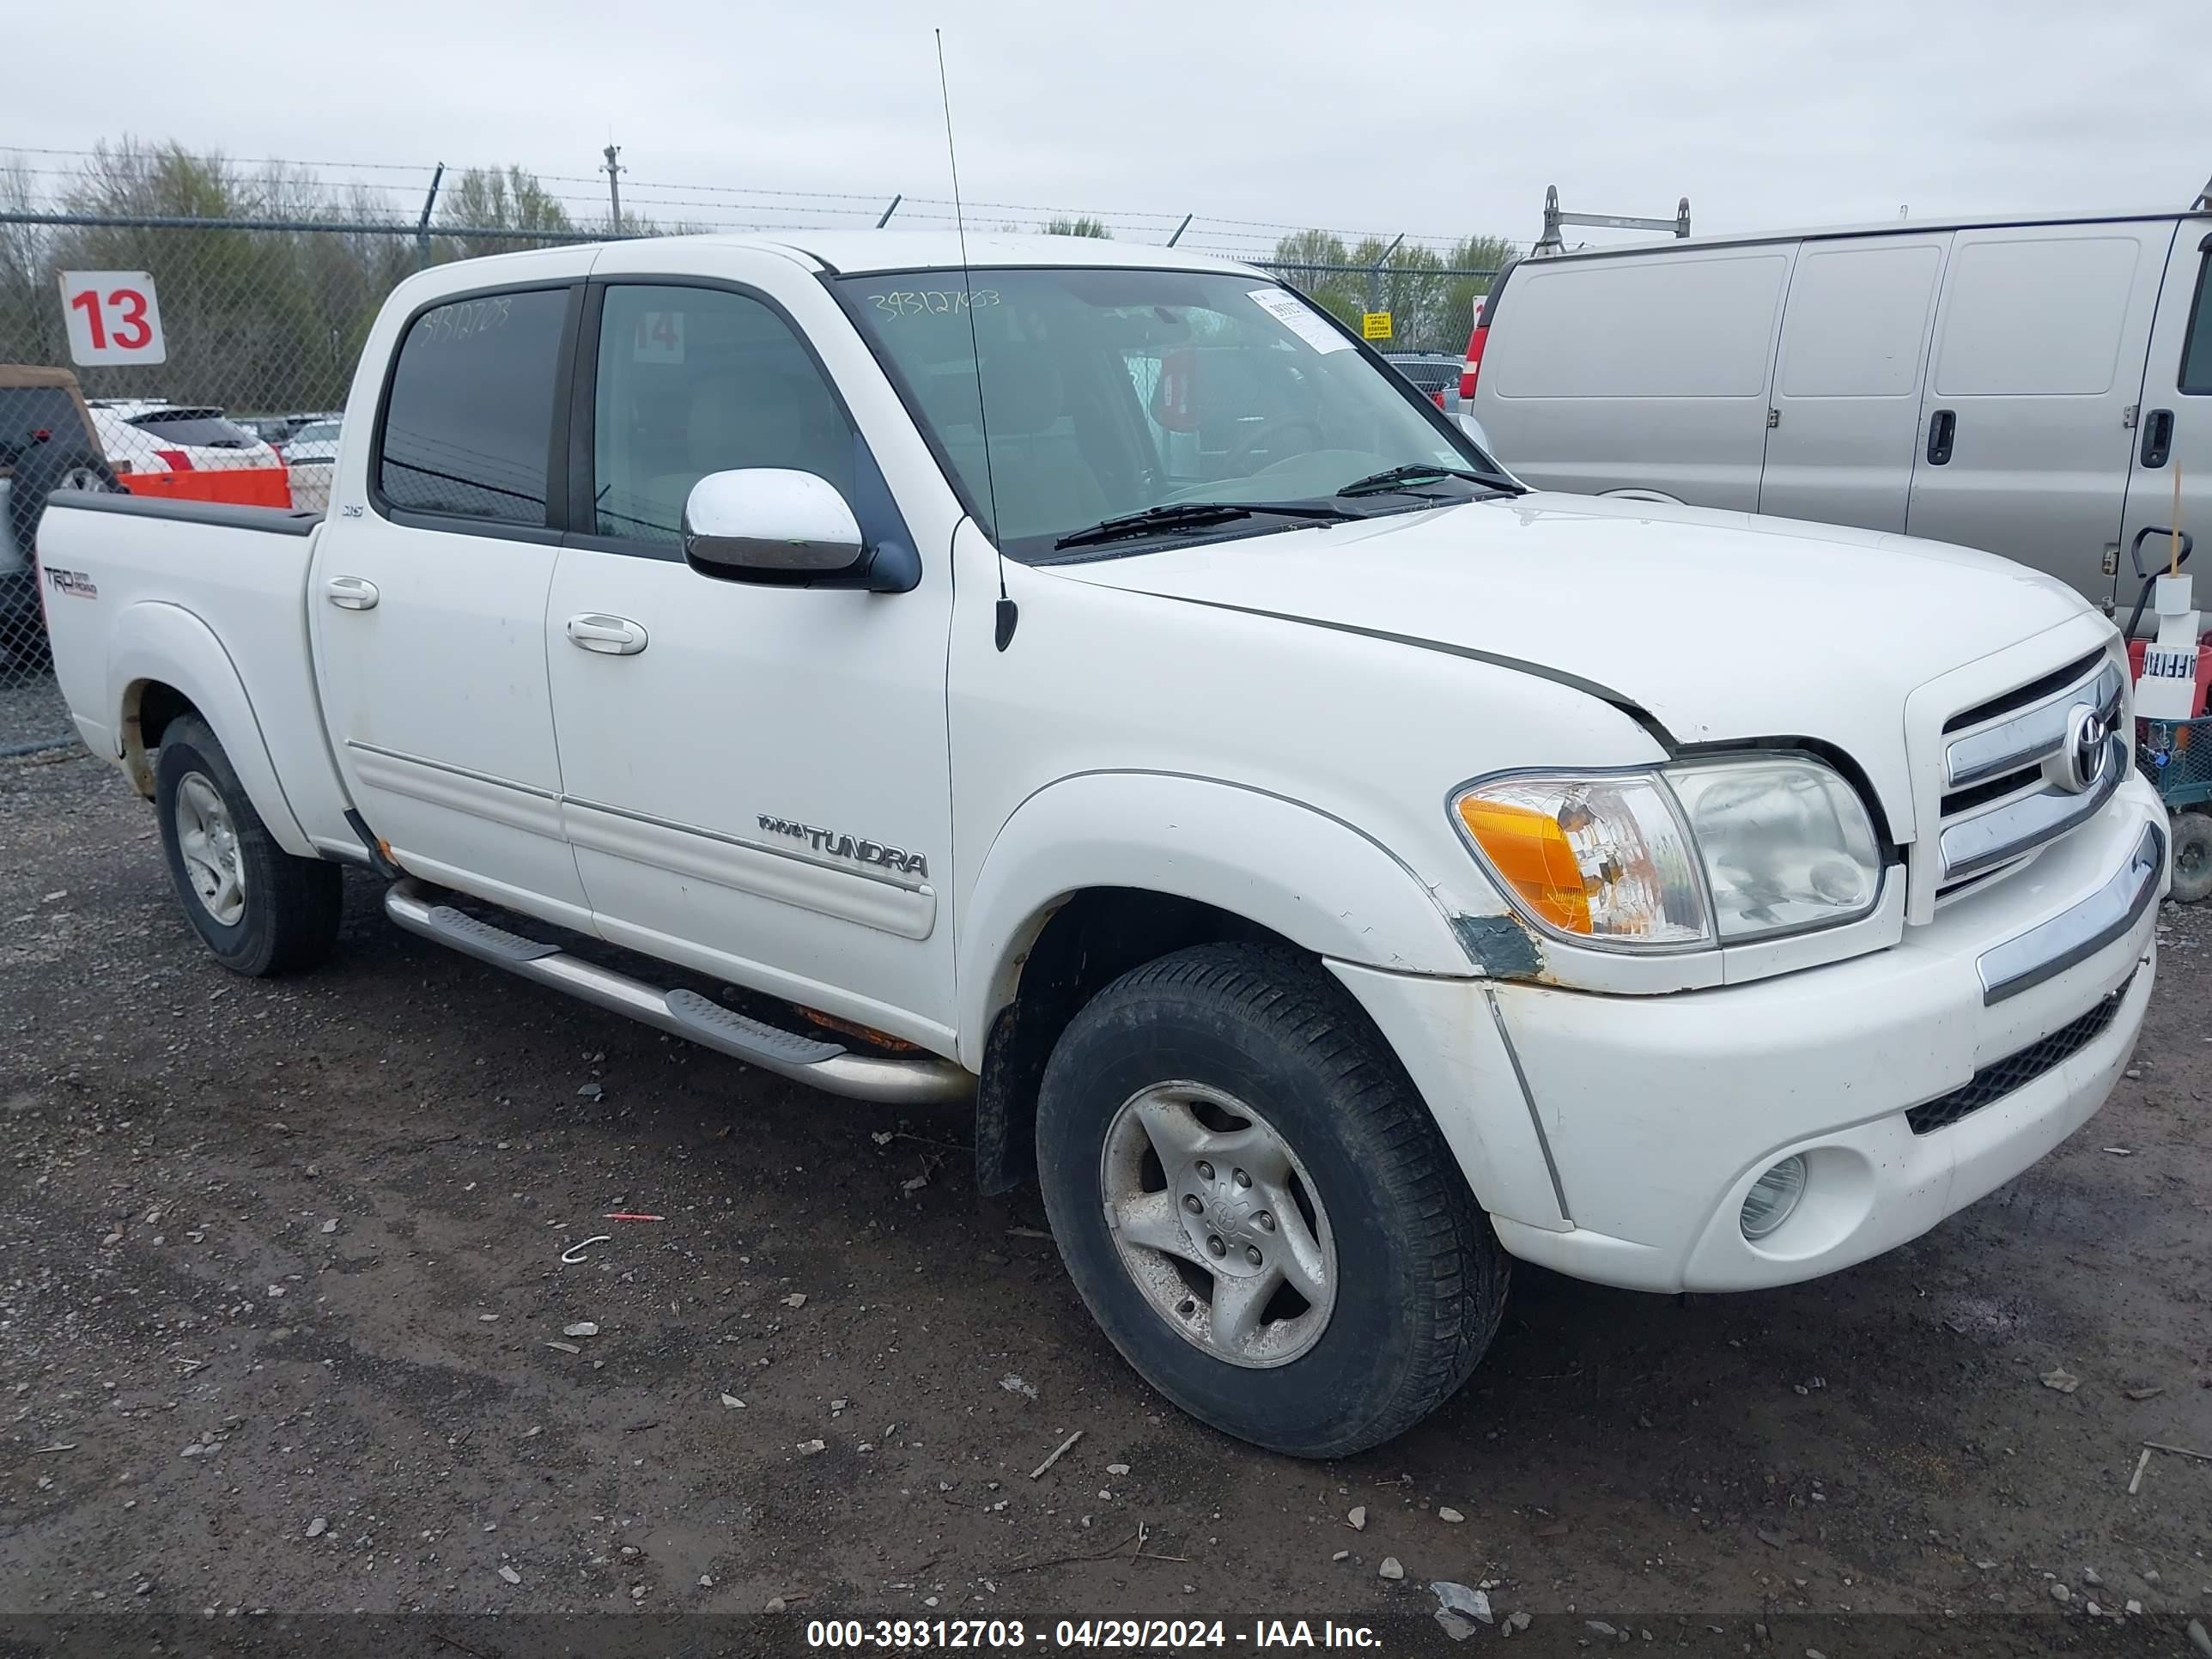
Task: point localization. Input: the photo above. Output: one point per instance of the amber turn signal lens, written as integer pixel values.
(1530, 851)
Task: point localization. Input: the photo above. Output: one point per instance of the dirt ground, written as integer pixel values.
(282, 1303)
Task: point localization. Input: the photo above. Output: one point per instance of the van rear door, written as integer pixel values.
(1646, 372)
(2024, 435)
(2174, 430)
(1847, 379)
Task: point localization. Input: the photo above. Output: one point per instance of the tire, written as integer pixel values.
(282, 915)
(1414, 1277)
(43, 469)
(2193, 857)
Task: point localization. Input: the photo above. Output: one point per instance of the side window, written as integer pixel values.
(2196, 349)
(694, 381)
(469, 422)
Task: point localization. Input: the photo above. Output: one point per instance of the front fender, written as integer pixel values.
(154, 640)
(1309, 877)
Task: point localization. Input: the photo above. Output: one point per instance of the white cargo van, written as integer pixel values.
(2024, 386)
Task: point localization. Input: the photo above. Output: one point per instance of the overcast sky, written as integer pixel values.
(1438, 116)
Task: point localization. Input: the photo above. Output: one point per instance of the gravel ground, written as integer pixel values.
(30, 708)
(282, 1334)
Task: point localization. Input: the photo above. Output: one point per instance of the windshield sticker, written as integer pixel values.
(927, 302)
(1297, 316)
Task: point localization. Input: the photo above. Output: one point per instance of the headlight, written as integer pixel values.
(1723, 850)
(1604, 859)
(1786, 844)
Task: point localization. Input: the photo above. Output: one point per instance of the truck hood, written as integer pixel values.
(1718, 625)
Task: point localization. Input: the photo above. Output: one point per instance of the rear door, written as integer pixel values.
(1847, 379)
(428, 595)
(2026, 433)
(2174, 436)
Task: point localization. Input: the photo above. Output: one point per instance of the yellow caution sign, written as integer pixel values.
(1375, 324)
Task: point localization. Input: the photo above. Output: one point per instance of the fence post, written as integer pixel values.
(423, 230)
(1375, 274)
(613, 170)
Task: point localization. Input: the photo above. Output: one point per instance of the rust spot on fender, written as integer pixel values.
(1499, 945)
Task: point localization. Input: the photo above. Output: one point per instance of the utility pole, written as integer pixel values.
(613, 170)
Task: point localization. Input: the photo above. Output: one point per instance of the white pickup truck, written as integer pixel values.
(1092, 682)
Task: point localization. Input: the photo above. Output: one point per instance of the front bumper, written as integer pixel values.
(1656, 1114)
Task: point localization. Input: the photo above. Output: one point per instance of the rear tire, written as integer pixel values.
(260, 910)
(2193, 857)
(1318, 1303)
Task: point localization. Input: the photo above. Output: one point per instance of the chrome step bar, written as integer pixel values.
(422, 909)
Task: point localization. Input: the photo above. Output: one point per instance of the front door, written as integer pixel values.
(2173, 433)
(756, 777)
(2024, 431)
(1847, 380)
(426, 601)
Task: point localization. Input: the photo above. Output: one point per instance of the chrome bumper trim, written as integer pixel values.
(2074, 935)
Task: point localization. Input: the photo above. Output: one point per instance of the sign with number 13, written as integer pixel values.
(112, 317)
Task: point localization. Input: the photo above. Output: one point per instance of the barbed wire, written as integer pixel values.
(763, 208)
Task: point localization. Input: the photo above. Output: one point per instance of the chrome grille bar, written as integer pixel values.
(2029, 737)
(2021, 825)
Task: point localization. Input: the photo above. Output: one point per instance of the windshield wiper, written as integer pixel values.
(1396, 477)
(1192, 515)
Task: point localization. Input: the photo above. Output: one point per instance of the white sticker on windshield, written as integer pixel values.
(1300, 318)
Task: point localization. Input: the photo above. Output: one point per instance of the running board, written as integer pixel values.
(831, 1067)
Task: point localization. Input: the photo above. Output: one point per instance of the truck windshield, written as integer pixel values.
(1109, 393)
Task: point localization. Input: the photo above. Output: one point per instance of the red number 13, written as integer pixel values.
(132, 333)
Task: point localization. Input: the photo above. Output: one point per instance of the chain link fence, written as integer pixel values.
(260, 323)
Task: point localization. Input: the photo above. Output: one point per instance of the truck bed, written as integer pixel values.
(208, 600)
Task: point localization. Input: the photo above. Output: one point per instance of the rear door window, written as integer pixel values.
(468, 424)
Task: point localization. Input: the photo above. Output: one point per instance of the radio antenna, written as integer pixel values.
(1008, 614)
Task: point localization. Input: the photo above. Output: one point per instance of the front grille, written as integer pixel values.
(2005, 769)
(2016, 1071)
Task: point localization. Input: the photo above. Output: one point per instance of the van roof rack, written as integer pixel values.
(2204, 197)
(1550, 243)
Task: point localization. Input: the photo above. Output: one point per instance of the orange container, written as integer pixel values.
(253, 486)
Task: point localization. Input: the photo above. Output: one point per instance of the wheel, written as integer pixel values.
(2193, 857)
(1257, 1207)
(43, 469)
(261, 910)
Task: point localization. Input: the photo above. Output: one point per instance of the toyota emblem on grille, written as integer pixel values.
(2082, 760)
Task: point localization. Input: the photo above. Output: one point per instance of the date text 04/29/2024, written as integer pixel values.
(1124, 1635)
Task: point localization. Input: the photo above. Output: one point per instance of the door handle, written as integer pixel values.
(612, 636)
(352, 592)
(1942, 427)
(2158, 437)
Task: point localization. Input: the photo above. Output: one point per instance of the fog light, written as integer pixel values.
(1772, 1197)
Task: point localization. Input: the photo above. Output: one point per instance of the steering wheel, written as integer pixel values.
(1275, 429)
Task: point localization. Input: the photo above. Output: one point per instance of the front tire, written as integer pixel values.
(1256, 1207)
(260, 910)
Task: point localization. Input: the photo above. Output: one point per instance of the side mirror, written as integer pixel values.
(772, 524)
